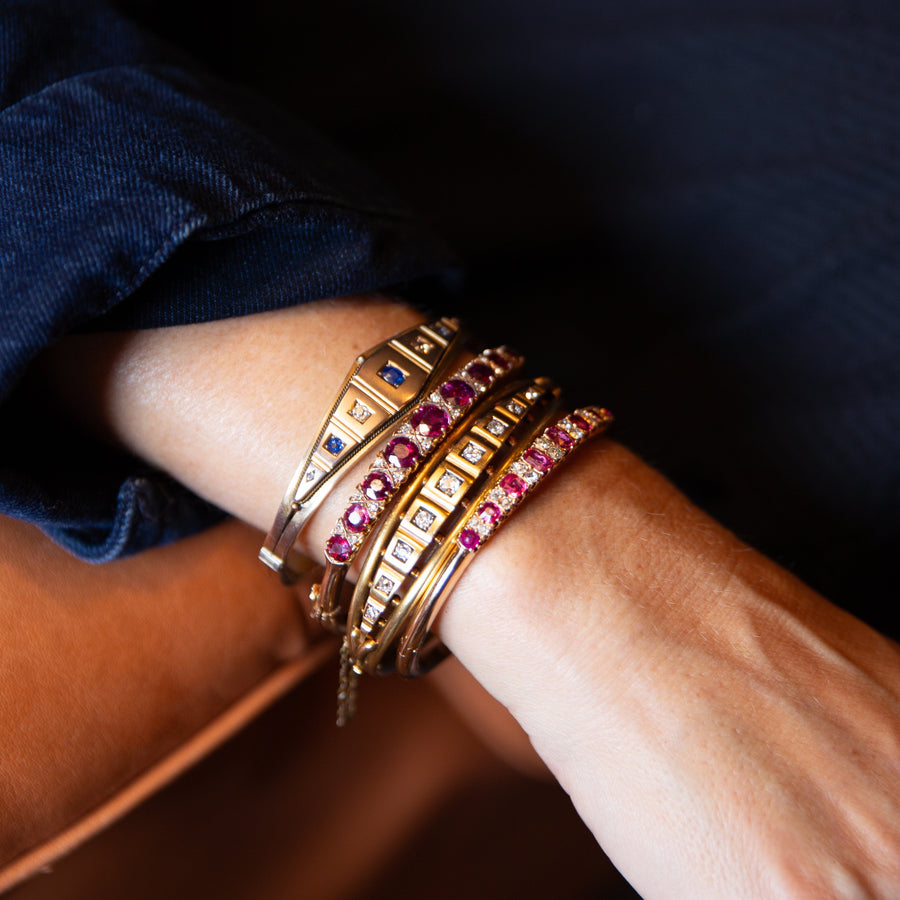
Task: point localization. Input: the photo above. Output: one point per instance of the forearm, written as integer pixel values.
(660, 667)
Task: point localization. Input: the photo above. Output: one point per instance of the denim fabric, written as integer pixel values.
(138, 192)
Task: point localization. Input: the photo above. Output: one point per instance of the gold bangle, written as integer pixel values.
(427, 426)
(509, 487)
(385, 383)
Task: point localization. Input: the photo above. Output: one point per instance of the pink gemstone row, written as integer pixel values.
(529, 467)
(425, 428)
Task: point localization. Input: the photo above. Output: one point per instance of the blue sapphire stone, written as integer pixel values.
(334, 445)
(392, 375)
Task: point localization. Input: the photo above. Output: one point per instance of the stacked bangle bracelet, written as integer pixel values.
(425, 429)
(385, 383)
(464, 451)
(507, 490)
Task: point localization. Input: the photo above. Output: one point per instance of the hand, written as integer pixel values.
(723, 730)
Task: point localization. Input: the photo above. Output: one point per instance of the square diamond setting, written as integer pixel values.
(449, 484)
(384, 585)
(423, 519)
(473, 453)
(360, 412)
(402, 551)
(422, 345)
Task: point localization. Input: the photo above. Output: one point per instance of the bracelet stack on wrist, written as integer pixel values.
(465, 451)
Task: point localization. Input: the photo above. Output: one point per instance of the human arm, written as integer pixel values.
(723, 730)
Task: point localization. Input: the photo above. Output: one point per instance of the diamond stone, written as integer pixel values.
(360, 412)
(384, 585)
(550, 448)
(422, 345)
(402, 551)
(472, 453)
(423, 519)
(501, 498)
(373, 611)
(449, 483)
(515, 407)
(496, 427)
(525, 471)
(311, 473)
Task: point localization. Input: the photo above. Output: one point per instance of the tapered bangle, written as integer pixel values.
(418, 523)
(385, 383)
(426, 427)
(509, 487)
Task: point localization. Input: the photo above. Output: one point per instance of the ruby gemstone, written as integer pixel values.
(401, 453)
(489, 513)
(338, 548)
(500, 360)
(480, 372)
(513, 485)
(537, 459)
(458, 392)
(561, 438)
(469, 538)
(430, 420)
(356, 518)
(377, 485)
(580, 422)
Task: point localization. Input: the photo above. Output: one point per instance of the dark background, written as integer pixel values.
(685, 211)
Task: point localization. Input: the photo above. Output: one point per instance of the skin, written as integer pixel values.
(723, 730)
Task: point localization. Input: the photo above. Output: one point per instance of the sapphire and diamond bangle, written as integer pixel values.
(384, 384)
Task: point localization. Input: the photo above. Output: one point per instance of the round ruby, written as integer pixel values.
(338, 548)
(356, 518)
(500, 360)
(377, 485)
(513, 485)
(489, 513)
(401, 453)
(537, 459)
(458, 392)
(559, 437)
(469, 538)
(430, 420)
(480, 372)
(580, 422)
